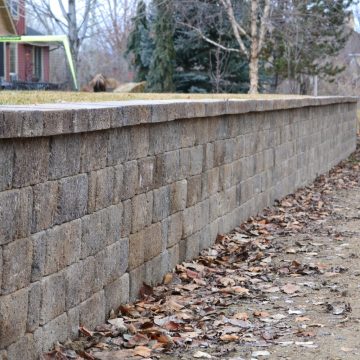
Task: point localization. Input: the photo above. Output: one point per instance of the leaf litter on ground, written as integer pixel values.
(228, 294)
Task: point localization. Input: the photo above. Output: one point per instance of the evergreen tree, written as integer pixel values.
(306, 34)
(160, 76)
(140, 44)
(200, 66)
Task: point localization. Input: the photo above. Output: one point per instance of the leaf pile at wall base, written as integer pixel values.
(251, 289)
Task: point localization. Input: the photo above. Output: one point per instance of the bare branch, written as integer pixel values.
(209, 40)
(235, 25)
(263, 25)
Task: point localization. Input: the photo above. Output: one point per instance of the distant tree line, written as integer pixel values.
(204, 46)
(236, 46)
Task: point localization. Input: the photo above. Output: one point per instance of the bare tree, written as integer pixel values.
(72, 19)
(249, 36)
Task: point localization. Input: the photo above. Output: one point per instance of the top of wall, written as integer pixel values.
(55, 119)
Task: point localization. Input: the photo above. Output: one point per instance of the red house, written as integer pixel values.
(22, 62)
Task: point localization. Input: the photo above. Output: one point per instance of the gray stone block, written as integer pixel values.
(91, 276)
(225, 176)
(174, 230)
(137, 277)
(139, 141)
(73, 198)
(219, 152)
(188, 221)
(117, 293)
(29, 169)
(173, 256)
(62, 246)
(92, 311)
(38, 260)
(6, 164)
(116, 260)
(196, 160)
(164, 137)
(73, 322)
(126, 180)
(33, 316)
(13, 315)
(16, 272)
(136, 249)
(119, 146)
(161, 207)
(209, 151)
(52, 297)
(193, 190)
(54, 331)
(15, 214)
(126, 219)
(167, 168)
(142, 211)
(155, 269)
(93, 150)
(72, 285)
(152, 241)
(24, 347)
(45, 205)
(178, 196)
(146, 174)
(101, 189)
(93, 237)
(64, 156)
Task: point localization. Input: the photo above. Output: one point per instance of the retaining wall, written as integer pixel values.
(96, 199)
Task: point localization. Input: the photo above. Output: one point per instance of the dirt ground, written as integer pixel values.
(284, 285)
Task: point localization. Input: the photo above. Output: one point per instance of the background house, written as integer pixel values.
(27, 62)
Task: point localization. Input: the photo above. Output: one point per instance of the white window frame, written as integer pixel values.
(42, 62)
(4, 59)
(16, 60)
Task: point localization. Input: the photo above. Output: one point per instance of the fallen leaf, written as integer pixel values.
(229, 337)
(241, 316)
(142, 351)
(302, 319)
(290, 289)
(201, 355)
(168, 278)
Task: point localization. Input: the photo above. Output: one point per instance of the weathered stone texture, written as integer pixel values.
(73, 198)
(13, 315)
(64, 156)
(98, 200)
(31, 162)
(16, 265)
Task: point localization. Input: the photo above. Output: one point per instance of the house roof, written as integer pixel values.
(31, 31)
(7, 26)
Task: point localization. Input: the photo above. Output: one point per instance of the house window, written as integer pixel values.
(2, 61)
(14, 8)
(38, 63)
(13, 61)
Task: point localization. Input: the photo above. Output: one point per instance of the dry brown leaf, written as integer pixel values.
(302, 318)
(142, 351)
(290, 289)
(229, 337)
(168, 278)
(241, 316)
(236, 290)
(261, 314)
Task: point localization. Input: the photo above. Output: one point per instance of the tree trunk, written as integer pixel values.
(254, 53)
(254, 75)
(73, 33)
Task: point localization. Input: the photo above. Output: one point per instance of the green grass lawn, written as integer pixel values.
(43, 97)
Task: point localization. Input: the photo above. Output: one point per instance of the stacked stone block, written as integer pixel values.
(95, 202)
